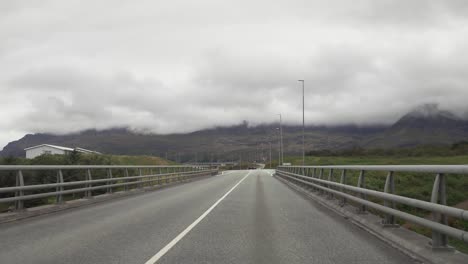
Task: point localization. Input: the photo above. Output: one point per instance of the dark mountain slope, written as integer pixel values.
(226, 142)
(425, 125)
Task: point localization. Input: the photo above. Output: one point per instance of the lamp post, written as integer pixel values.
(270, 153)
(303, 125)
(279, 147)
(281, 140)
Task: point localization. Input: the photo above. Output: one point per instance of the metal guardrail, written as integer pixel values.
(149, 175)
(314, 176)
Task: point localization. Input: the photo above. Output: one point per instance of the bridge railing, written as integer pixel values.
(314, 176)
(45, 181)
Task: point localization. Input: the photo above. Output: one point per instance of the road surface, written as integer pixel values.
(238, 217)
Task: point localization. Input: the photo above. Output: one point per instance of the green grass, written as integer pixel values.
(139, 160)
(82, 159)
(413, 185)
(379, 160)
(42, 177)
(4, 207)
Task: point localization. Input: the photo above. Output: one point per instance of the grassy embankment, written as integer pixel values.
(414, 185)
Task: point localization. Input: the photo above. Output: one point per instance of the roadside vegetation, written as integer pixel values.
(414, 185)
(76, 158)
(7, 178)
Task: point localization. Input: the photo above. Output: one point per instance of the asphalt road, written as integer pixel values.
(239, 217)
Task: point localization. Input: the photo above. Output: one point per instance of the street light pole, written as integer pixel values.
(270, 153)
(281, 140)
(279, 147)
(303, 125)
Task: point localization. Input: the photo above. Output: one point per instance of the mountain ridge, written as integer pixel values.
(423, 125)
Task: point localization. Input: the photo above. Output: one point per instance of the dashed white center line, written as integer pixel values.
(171, 244)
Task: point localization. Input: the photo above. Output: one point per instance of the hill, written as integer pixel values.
(204, 145)
(423, 126)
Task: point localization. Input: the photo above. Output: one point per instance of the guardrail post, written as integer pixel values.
(362, 184)
(140, 185)
(320, 177)
(19, 205)
(343, 181)
(126, 181)
(168, 176)
(88, 193)
(389, 220)
(330, 178)
(314, 175)
(59, 197)
(159, 176)
(439, 241)
(308, 174)
(301, 171)
(109, 176)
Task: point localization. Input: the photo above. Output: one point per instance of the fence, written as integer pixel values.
(80, 180)
(314, 176)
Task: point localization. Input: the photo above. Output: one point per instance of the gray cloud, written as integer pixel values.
(182, 65)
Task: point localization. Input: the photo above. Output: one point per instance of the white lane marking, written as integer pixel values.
(171, 244)
(270, 172)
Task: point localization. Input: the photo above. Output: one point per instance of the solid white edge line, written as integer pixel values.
(171, 244)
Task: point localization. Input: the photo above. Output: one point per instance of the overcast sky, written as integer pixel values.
(179, 66)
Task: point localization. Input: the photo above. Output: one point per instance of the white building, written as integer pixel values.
(38, 150)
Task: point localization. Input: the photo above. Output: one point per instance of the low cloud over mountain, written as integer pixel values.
(425, 125)
(178, 66)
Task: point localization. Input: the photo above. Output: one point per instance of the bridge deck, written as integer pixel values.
(260, 221)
